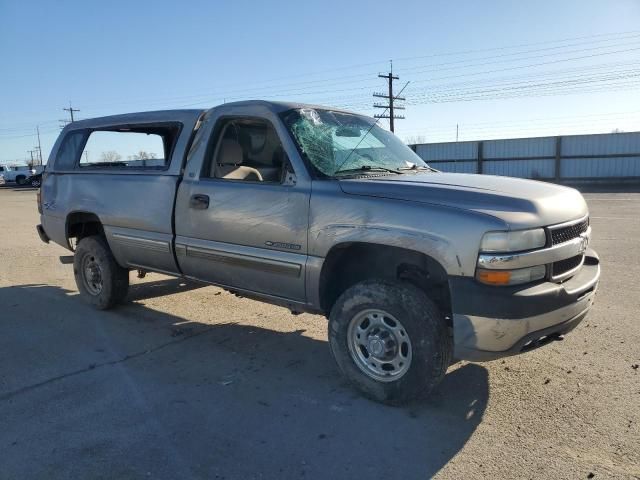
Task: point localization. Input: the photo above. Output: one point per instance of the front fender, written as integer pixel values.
(434, 246)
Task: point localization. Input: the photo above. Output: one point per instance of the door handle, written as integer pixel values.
(199, 201)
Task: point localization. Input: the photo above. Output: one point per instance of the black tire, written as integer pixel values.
(20, 179)
(35, 183)
(430, 342)
(93, 252)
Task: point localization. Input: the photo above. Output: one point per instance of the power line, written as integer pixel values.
(518, 67)
(546, 42)
(542, 91)
(506, 80)
(506, 87)
(18, 129)
(324, 81)
(305, 90)
(490, 60)
(342, 81)
(448, 91)
(578, 72)
(309, 88)
(346, 67)
(342, 77)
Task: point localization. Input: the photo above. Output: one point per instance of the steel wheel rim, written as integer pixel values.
(379, 345)
(92, 275)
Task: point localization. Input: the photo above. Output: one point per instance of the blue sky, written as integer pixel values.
(496, 68)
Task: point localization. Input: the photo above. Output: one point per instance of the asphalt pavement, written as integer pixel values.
(188, 381)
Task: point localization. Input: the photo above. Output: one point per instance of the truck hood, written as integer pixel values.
(519, 203)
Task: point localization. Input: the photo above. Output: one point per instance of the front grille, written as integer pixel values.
(566, 265)
(564, 234)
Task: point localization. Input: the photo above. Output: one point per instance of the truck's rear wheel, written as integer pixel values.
(101, 281)
(390, 340)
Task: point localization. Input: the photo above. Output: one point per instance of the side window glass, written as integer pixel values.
(69, 150)
(248, 150)
(123, 149)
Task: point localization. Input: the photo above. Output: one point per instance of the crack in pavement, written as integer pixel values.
(21, 390)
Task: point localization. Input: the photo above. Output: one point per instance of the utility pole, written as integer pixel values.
(38, 160)
(391, 98)
(31, 153)
(71, 110)
(457, 133)
(39, 144)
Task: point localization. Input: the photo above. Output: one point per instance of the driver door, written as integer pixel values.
(241, 222)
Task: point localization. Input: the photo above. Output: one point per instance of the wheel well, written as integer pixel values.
(351, 263)
(83, 224)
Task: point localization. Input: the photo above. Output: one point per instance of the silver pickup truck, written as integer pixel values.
(321, 210)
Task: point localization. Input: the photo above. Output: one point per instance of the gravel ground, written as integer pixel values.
(188, 381)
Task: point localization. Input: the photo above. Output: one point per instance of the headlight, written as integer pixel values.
(511, 277)
(513, 241)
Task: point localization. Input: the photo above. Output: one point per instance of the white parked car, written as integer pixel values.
(17, 174)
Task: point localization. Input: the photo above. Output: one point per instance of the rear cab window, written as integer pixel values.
(145, 147)
(123, 149)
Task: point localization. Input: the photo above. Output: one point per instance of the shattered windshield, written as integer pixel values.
(338, 143)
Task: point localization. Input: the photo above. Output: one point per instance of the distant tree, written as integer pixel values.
(142, 155)
(617, 130)
(110, 156)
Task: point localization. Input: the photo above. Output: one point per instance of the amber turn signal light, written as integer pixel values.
(494, 277)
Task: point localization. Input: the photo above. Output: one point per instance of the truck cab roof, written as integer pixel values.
(184, 114)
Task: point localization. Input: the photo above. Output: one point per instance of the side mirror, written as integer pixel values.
(288, 175)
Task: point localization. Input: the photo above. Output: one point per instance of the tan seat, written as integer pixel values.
(229, 163)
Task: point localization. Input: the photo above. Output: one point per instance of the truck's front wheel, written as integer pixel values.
(101, 281)
(390, 340)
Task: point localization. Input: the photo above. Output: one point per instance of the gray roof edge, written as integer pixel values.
(187, 114)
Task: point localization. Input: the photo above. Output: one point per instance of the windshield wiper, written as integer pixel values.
(368, 168)
(416, 167)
